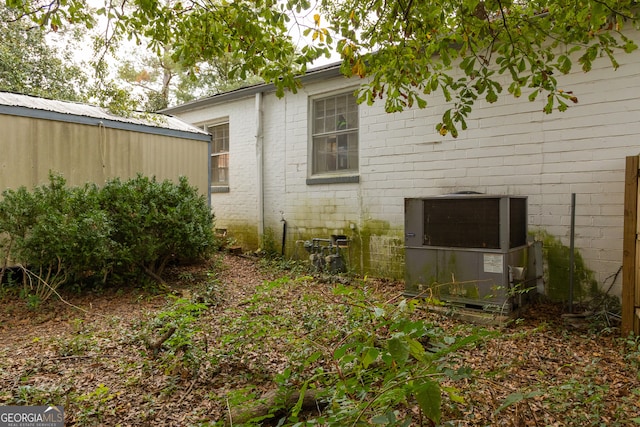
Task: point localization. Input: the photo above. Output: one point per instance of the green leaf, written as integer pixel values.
(517, 92)
(564, 64)
(453, 394)
(434, 84)
(416, 349)
(548, 108)
(399, 350)
(512, 399)
(298, 406)
(380, 420)
(370, 355)
(386, 419)
(340, 351)
(312, 358)
(562, 106)
(516, 397)
(629, 47)
(429, 398)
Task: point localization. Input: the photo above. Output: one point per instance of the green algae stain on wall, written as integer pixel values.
(382, 249)
(375, 249)
(557, 271)
(299, 237)
(244, 235)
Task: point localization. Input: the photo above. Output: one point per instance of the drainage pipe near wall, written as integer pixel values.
(571, 250)
(284, 233)
(260, 164)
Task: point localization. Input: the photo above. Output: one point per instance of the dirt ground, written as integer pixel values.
(93, 353)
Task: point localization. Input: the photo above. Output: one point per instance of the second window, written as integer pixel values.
(335, 134)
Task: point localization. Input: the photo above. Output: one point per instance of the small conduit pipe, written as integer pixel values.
(572, 239)
(284, 234)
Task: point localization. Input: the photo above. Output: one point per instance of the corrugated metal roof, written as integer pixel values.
(30, 106)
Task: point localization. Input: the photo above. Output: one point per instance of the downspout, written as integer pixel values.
(209, 172)
(260, 164)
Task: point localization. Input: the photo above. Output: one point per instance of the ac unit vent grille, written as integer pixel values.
(462, 223)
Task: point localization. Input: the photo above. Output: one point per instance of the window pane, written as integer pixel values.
(219, 154)
(352, 119)
(318, 108)
(219, 138)
(332, 154)
(353, 151)
(220, 169)
(318, 126)
(335, 134)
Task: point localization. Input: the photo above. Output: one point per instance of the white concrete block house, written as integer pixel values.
(329, 166)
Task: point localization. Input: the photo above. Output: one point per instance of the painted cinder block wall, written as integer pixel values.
(510, 147)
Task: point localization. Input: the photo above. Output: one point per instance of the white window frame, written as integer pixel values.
(219, 186)
(340, 121)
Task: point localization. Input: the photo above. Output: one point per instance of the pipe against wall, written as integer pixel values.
(284, 234)
(571, 250)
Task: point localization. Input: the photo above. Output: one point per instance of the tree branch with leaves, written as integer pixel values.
(404, 50)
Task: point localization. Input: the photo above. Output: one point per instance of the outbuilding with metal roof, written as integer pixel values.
(86, 143)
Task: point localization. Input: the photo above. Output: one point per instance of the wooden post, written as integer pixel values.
(629, 248)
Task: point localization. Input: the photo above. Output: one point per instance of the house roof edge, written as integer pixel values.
(318, 73)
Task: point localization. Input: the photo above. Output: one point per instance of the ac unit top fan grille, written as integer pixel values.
(472, 222)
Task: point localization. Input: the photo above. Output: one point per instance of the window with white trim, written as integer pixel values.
(219, 154)
(335, 134)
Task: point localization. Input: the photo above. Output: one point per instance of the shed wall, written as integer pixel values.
(32, 147)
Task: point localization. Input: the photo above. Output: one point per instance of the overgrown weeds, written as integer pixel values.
(225, 345)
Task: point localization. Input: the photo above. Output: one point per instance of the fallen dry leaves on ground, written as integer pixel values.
(92, 355)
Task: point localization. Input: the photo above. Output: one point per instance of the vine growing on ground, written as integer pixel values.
(389, 367)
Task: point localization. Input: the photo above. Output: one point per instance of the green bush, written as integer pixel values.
(57, 234)
(157, 223)
(87, 234)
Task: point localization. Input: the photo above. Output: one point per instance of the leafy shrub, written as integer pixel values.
(59, 233)
(86, 234)
(157, 223)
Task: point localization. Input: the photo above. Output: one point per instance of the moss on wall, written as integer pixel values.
(557, 271)
(244, 235)
(375, 249)
(370, 228)
(382, 249)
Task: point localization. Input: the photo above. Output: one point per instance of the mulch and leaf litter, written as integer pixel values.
(88, 353)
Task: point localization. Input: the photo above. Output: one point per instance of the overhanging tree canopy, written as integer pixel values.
(407, 49)
(29, 65)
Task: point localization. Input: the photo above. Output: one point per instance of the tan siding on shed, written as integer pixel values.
(32, 147)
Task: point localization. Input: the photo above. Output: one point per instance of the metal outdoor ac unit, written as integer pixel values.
(468, 250)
